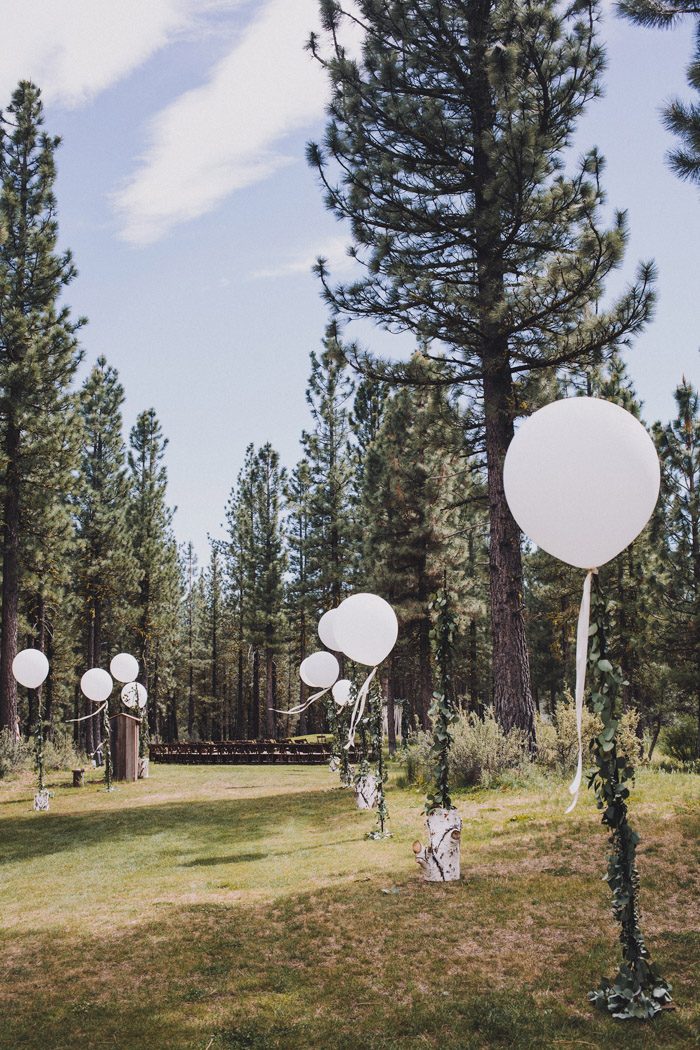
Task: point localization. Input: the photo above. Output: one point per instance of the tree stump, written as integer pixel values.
(78, 778)
(366, 791)
(440, 859)
(142, 770)
(41, 801)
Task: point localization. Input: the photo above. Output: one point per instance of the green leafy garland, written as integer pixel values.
(338, 723)
(443, 711)
(374, 719)
(637, 990)
(39, 747)
(107, 746)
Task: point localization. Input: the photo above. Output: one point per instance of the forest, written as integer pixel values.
(390, 494)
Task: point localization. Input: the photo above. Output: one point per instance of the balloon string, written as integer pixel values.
(299, 707)
(91, 715)
(584, 617)
(359, 708)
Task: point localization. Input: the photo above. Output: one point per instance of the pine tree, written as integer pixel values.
(269, 481)
(189, 572)
(106, 573)
(408, 513)
(448, 140)
(681, 118)
(150, 521)
(301, 608)
(326, 449)
(678, 443)
(240, 570)
(38, 350)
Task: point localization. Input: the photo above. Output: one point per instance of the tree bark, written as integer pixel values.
(241, 727)
(10, 581)
(269, 693)
(256, 695)
(513, 703)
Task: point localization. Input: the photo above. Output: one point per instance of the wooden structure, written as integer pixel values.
(125, 746)
(78, 778)
(243, 752)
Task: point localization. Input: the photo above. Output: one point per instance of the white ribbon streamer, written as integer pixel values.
(359, 708)
(91, 715)
(584, 617)
(300, 707)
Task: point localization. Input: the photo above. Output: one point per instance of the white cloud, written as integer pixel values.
(223, 136)
(333, 251)
(74, 49)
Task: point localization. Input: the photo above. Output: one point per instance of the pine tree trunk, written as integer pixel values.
(388, 688)
(10, 581)
(513, 703)
(426, 672)
(241, 726)
(255, 703)
(269, 693)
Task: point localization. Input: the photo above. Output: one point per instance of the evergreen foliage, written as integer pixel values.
(445, 150)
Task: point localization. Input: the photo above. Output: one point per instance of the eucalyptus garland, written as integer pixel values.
(638, 990)
(107, 746)
(374, 720)
(443, 711)
(39, 748)
(338, 724)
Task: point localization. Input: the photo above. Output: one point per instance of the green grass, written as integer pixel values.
(242, 907)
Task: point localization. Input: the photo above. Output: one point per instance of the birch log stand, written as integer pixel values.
(440, 859)
(366, 791)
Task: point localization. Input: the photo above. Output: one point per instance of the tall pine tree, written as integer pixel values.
(38, 350)
(445, 149)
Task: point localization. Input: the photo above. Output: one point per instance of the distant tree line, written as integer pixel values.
(445, 150)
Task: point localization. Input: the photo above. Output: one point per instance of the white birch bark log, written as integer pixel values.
(142, 769)
(366, 790)
(41, 800)
(440, 859)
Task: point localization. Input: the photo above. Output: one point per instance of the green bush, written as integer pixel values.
(480, 753)
(557, 741)
(60, 753)
(15, 755)
(679, 740)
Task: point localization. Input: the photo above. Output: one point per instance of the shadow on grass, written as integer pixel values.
(249, 820)
(345, 968)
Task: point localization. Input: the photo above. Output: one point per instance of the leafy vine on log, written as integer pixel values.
(443, 711)
(638, 990)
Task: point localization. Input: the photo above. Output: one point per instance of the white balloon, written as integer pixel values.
(341, 692)
(319, 670)
(366, 628)
(96, 684)
(326, 631)
(30, 668)
(581, 478)
(124, 667)
(134, 693)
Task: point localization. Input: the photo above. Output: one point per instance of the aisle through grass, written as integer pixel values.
(243, 907)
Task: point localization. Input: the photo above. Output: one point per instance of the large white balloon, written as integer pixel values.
(124, 667)
(319, 670)
(30, 668)
(342, 691)
(326, 630)
(366, 628)
(134, 693)
(582, 478)
(96, 684)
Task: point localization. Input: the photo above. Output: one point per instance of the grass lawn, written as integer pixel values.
(242, 907)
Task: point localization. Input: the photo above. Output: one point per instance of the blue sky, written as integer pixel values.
(194, 221)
